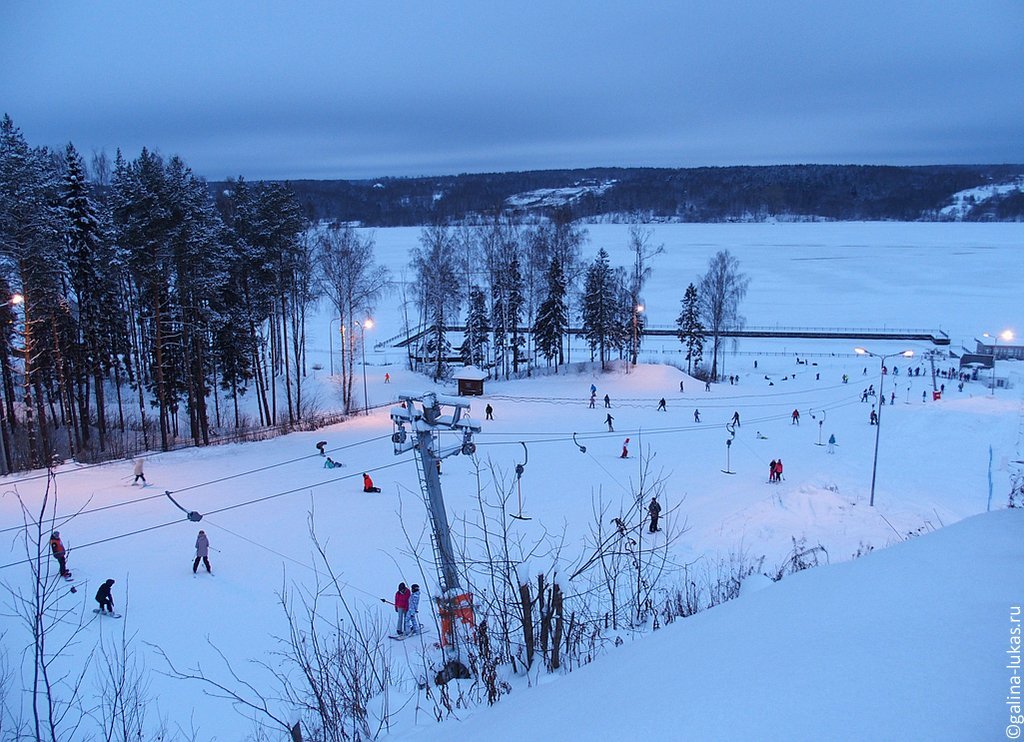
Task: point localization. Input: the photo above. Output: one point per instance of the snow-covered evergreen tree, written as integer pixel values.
(474, 345)
(691, 331)
(601, 313)
(553, 317)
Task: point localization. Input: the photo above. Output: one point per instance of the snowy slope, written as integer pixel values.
(907, 643)
(965, 201)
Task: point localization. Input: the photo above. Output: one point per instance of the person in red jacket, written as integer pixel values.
(401, 606)
(625, 449)
(57, 547)
(778, 470)
(368, 484)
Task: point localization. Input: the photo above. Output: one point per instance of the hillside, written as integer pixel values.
(827, 192)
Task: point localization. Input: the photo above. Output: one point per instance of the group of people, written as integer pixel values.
(775, 471)
(407, 604)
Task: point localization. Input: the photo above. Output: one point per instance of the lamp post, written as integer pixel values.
(330, 340)
(881, 392)
(364, 326)
(1006, 335)
(636, 312)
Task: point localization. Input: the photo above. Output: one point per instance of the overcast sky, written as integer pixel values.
(344, 90)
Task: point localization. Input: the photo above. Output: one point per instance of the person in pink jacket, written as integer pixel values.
(401, 606)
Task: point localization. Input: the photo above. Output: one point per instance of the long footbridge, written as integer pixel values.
(936, 337)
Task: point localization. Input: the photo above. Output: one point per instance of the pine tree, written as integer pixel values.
(601, 307)
(553, 316)
(691, 331)
(474, 346)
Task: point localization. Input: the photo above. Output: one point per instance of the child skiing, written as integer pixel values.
(796, 417)
(607, 401)
(368, 484)
(490, 412)
(608, 421)
(411, 619)
(625, 449)
(696, 416)
(105, 600)
(401, 607)
(736, 418)
(202, 552)
(661, 405)
(57, 547)
(771, 471)
(831, 443)
(138, 472)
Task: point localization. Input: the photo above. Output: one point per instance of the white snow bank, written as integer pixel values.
(907, 643)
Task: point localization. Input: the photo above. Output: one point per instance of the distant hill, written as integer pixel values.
(709, 194)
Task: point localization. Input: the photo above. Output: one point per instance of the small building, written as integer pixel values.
(999, 351)
(471, 381)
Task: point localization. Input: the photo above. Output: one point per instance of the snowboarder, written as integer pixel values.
(368, 484)
(831, 444)
(138, 471)
(489, 411)
(661, 405)
(57, 547)
(696, 415)
(736, 418)
(625, 449)
(607, 401)
(873, 419)
(401, 607)
(104, 598)
(796, 417)
(330, 463)
(608, 421)
(771, 471)
(411, 619)
(387, 377)
(202, 552)
(654, 509)
(320, 446)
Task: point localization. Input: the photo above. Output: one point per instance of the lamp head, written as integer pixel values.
(1006, 335)
(860, 351)
(17, 299)
(907, 354)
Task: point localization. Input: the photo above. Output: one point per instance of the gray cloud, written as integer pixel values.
(326, 89)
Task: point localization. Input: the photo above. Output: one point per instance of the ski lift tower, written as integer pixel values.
(425, 426)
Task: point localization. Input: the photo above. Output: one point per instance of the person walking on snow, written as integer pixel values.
(607, 401)
(401, 607)
(796, 417)
(138, 471)
(625, 449)
(608, 420)
(104, 598)
(696, 416)
(831, 443)
(661, 405)
(489, 411)
(57, 547)
(412, 620)
(202, 552)
(654, 510)
(368, 484)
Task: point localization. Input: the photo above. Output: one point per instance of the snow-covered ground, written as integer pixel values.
(964, 201)
(933, 470)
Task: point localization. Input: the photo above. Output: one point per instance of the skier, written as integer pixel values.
(707, 385)
(593, 399)
(330, 463)
(607, 401)
(104, 598)
(401, 607)
(681, 387)
(654, 509)
(202, 552)
(411, 620)
(831, 444)
(696, 415)
(57, 547)
(593, 390)
(771, 471)
(924, 395)
(778, 470)
(368, 484)
(796, 417)
(736, 418)
(138, 472)
(873, 420)
(490, 412)
(625, 449)
(892, 398)
(321, 446)
(864, 396)
(608, 421)
(661, 405)
(387, 377)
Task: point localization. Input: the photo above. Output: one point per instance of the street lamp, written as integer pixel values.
(1006, 335)
(15, 299)
(881, 393)
(330, 339)
(636, 312)
(366, 324)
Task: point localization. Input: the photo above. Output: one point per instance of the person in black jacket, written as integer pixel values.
(655, 510)
(103, 597)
